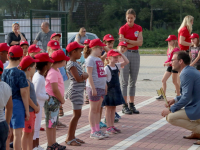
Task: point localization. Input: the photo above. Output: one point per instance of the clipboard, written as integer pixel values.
(161, 92)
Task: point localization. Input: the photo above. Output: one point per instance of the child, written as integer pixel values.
(122, 47)
(96, 85)
(4, 52)
(195, 51)
(28, 65)
(56, 36)
(38, 80)
(114, 96)
(55, 88)
(18, 83)
(75, 91)
(24, 45)
(52, 46)
(172, 47)
(33, 50)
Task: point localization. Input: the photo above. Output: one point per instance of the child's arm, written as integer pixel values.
(9, 110)
(90, 79)
(25, 99)
(196, 59)
(57, 93)
(103, 57)
(75, 74)
(126, 61)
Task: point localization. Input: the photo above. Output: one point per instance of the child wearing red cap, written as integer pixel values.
(109, 40)
(34, 50)
(194, 51)
(96, 85)
(28, 65)
(56, 36)
(38, 80)
(4, 52)
(52, 46)
(122, 47)
(114, 95)
(24, 45)
(77, 81)
(172, 48)
(18, 83)
(55, 88)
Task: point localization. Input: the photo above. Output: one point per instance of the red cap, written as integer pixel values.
(34, 49)
(171, 37)
(122, 43)
(16, 50)
(87, 41)
(43, 57)
(112, 53)
(54, 44)
(55, 34)
(96, 42)
(23, 43)
(73, 45)
(59, 55)
(4, 47)
(1, 66)
(108, 37)
(194, 35)
(26, 62)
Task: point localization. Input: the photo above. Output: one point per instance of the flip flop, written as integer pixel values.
(80, 141)
(74, 140)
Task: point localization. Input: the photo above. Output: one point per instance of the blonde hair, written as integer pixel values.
(14, 25)
(87, 51)
(187, 22)
(80, 31)
(106, 62)
(49, 51)
(174, 46)
(131, 11)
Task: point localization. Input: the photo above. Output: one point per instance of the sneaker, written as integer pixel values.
(117, 115)
(35, 148)
(125, 109)
(96, 135)
(40, 148)
(103, 134)
(102, 125)
(118, 130)
(111, 131)
(160, 98)
(116, 120)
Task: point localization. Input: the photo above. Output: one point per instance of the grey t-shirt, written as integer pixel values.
(98, 73)
(82, 38)
(194, 53)
(44, 38)
(32, 95)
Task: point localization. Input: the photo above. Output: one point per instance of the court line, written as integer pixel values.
(194, 147)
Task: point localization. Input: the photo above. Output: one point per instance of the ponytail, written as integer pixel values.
(106, 62)
(87, 51)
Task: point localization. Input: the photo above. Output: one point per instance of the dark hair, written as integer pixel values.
(41, 65)
(56, 62)
(184, 56)
(108, 41)
(69, 53)
(198, 44)
(1, 71)
(87, 51)
(13, 58)
(31, 65)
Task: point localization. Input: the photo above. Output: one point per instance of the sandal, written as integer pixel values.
(61, 113)
(80, 141)
(73, 143)
(87, 102)
(61, 125)
(50, 148)
(57, 146)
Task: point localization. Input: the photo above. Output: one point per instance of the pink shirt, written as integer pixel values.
(54, 76)
(170, 55)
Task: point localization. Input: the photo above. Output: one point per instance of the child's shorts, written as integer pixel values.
(100, 94)
(30, 124)
(18, 116)
(51, 108)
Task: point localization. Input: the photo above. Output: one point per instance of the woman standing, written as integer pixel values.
(81, 36)
(184, 32)
(132, 34)
(15, 37)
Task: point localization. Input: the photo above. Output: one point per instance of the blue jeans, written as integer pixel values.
(4, 134)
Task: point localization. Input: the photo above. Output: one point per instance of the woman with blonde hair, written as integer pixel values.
(81, 36)
(184, 32)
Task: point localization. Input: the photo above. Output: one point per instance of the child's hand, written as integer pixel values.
(94, 92)
(37, 109)
(166, 64)
(62, 101)
(27, 115)
(85, 75)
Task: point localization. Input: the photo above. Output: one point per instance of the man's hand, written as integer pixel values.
(165, 112)
(170, 102)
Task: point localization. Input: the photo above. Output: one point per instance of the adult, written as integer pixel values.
(186, 109)
(184, 32)
(44, 36)
(15, 37)
(132, 34)
(81, 36)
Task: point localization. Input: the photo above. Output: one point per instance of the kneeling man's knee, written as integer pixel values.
(171, 118)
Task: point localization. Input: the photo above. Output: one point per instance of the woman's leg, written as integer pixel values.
(175, 82)
(17, 135)
(164, 80)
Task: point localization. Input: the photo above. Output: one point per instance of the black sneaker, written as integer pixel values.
(160, 98)
(126, 110)
(133, 109)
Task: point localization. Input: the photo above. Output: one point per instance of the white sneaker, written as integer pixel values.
(35, 148)
(96, 135)
(103, 134)
(40, 148)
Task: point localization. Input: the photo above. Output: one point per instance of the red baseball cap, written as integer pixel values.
(27, 61)
(4, 47)
(96, 42)
(73, 45)
(16, 50)
(87, 41)
(171, 37)
(54, 44)
(23, 43)
(1, 66)
(34, 49)
(55, 34)
(43, 57)
(108, 37)
(59, 55)
(113, 53)
(122, 43)
(194, 35)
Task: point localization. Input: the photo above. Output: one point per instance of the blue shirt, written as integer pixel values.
(16, 79)
(63, 73)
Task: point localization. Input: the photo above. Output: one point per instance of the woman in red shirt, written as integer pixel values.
(132, 34)
(184, 32)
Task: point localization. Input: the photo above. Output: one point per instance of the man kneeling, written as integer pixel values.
(185, 112)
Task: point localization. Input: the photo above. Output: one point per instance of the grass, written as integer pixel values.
(153, 51)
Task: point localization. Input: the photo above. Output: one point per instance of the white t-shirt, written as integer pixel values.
(39, 85)
(107, 70)
(6, 93)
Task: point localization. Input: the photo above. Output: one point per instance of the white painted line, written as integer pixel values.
(139, 135)
(86, 128)
(194, 147)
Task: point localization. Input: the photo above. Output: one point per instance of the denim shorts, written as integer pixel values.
(4, 134)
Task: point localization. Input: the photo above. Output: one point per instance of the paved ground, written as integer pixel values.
(148, 130)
